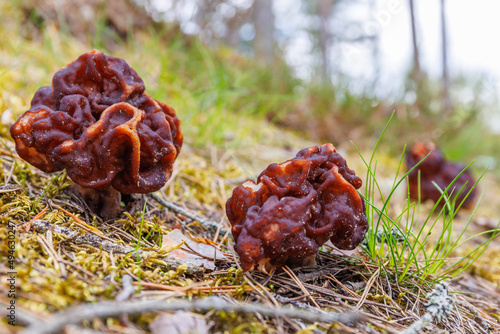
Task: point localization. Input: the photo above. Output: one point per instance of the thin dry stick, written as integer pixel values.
(352, 293)
(113, 264)
(265, 293)
(5, 152)
(47, 242)
(9, 177)
(233, 253)
(217, 233)
(23, 316)
(64, 272)
(27, 226)
(78, 221)
(79, 268)
(300, 285)
(369, 285)
(128, 289)
(77, 314)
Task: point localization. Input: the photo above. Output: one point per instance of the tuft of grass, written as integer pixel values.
(402, 241)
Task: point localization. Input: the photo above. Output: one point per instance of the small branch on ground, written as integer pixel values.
(128, 289)
(77, 314)
(23, 316)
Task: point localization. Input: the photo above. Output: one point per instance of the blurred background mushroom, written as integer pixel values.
(294, 208)
(98, 124)
(434, 174)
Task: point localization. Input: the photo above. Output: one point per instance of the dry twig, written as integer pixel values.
(27, 226)
(369, 285)
(76, 315)
(300, 285)
(78, 221)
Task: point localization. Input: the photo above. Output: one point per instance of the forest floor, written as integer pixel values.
(168, 262)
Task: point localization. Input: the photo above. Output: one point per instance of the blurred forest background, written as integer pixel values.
(317, 67)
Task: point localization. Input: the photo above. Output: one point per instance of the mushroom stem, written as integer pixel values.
(104, 203)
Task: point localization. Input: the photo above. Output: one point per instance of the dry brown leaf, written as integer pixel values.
(180, 322)
(192, 251)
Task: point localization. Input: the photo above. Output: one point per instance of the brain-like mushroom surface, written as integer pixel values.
(96, 122)
(295, 207)
(436, 169)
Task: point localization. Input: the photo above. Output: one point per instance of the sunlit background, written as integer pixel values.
(330, 70)
(366, 44)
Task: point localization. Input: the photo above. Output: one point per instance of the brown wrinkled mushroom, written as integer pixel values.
(436, 168)
(295, 207)
(98, 124)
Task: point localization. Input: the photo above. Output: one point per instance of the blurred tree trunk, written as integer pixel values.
(446, 79)
(375, 47)
(202, 10)
(264, 30)
(418, 77)
(324, 10)
(417, 73)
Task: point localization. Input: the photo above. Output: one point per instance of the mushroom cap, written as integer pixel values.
(295, 207)
(98, 124)
(436, 169)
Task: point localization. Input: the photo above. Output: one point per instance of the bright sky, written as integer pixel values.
(473, 44)
(473, 27)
